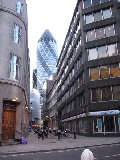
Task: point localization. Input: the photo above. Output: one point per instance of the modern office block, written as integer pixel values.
(88, 70)
(47, 56)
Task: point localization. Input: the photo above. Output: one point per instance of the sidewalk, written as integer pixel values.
(53, 143)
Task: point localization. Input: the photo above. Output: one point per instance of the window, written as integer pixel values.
(106, 94)
(99, 33)
(97, 16)
(102, 52)
(96, 95)
(87, 3)
(112, 50)
(94, 2)
(104, 72)
(19, 7)
(90, 35)
(106, 13)
(94, 73)
(16, 34)
(14, 67)
(115, 70)
(89, 18)
(116, 92)
(109, 31)
(93, 54)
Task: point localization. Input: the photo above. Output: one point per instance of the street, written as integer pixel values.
(105, 152)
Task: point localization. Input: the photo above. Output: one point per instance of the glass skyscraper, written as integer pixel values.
(47, 57)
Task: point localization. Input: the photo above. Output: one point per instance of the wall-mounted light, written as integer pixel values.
(15, 99)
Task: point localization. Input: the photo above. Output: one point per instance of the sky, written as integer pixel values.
(54, 15)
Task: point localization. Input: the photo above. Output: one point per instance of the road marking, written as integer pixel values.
(114, 155)
(14, 155)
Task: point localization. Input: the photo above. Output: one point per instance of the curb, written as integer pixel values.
(48, 150)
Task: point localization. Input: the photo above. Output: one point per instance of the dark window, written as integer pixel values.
(94, 2)
(116, 92)
(96, 95)
(106, 94)
(87, 3)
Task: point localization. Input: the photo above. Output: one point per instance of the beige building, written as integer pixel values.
(14, 70)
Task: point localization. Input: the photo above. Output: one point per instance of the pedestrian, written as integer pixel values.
(39, 134)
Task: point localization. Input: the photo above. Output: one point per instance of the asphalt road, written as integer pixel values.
(107, 152)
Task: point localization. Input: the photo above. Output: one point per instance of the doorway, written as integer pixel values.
(8, 121)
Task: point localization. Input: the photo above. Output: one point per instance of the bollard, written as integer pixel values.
(74, 134)
(87, 155)
(58, 134)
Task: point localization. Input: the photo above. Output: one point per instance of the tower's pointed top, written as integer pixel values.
(47, 36)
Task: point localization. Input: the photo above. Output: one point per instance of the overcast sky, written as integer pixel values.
(54, 15)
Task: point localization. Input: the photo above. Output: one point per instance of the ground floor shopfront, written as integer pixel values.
(102, 123)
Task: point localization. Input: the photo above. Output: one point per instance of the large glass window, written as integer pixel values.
(14, 67)
(115, 70)
(99, 33)
(89, 18)
(104, 72)
(102, 52)
(106, 13)
(112, 50)
(97, 16)
(16, 34)
(109, 31)
(96, 95)
(116, 92)
(94, 73)
(93, 54)
(106, 94)
(90, 35)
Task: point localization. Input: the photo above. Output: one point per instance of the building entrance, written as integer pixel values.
(8, 122)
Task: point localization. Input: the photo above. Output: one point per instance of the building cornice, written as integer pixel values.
(8, 10)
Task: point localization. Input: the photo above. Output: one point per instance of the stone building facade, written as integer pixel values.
(14, 70)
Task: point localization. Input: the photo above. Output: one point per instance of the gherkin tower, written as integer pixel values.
(47, 56)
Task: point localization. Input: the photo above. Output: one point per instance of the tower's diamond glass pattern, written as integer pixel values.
(47, 56)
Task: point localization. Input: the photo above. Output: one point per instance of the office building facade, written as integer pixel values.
(14, 70)
(47, 56)
(88, 70)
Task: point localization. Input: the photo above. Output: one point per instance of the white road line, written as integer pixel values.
(114, 155)
(14, 155)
